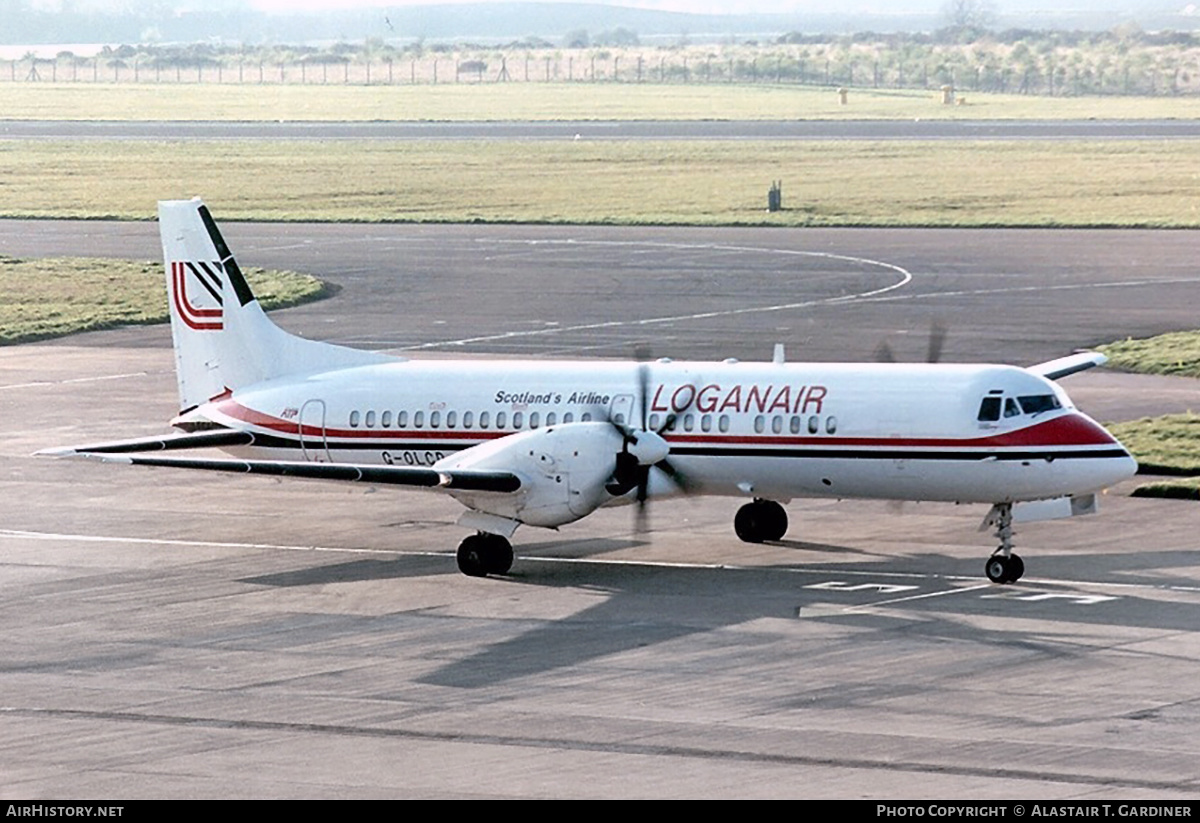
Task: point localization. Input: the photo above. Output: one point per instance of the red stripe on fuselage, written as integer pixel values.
(1066, 430)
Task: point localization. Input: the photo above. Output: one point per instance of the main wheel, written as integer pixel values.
(499, 554)
(759, 521)
(473, 555)
(775, 524)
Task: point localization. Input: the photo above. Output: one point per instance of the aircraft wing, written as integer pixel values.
(1063, 366)
(456, 479)
(166, 442)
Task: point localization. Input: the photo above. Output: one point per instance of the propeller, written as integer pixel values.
(933, 353)
(642, 449)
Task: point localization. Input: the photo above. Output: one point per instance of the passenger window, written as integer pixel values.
(989, 410)
(689, 422)
(371, 419)
(777, 424)
(568, 418)
(759, 424)
(354, 418)
(419, 420)
(654, 422)
(723, 423)
(402, 420)
(451, 419)
(551, 418)
(795, 425)
(830, 424)
(435, 419)
(706, 423)
(468, 419)
(501, 419)
(534, 420)
(814, 424)
(386, 420)
(518, 419)
(484, 419)
(586, 418)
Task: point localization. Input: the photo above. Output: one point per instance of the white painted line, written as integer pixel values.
(93, 379)
(20, 534)
(905, 278)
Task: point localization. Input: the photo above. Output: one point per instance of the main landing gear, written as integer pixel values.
(1004, 566)
(760, 521)
(482, 554)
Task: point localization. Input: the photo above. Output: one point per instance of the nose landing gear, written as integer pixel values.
(1003, 566)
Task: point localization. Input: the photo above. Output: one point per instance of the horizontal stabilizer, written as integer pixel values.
(1063, 366)
(458, 480)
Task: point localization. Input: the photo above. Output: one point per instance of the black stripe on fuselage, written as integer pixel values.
(276, 441)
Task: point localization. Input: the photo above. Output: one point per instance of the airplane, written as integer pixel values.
(546, 443)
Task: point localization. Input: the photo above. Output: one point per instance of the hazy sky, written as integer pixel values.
(695, 6)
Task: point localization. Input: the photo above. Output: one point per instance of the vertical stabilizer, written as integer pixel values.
(223, 339)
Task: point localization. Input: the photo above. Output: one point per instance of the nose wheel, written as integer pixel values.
(482, 554)
(1003, 566)
(1001, 569)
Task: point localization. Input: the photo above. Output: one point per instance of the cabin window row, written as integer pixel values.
(452, 420)
(371, 419)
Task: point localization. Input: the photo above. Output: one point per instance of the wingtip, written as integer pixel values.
(56, 451)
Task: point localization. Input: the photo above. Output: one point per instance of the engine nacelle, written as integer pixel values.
(563, 471)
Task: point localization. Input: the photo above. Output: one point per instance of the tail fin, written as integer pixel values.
(223, 339)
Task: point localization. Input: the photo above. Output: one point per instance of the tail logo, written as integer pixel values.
(202, 309)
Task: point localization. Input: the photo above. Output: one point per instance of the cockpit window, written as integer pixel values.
(1010, 408)
(989, 410)
(1038, 403)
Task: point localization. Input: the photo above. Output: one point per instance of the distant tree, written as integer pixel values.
(966, 20)
(969, 14)
(619, 36)
(577, 39)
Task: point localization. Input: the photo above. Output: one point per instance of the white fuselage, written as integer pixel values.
(767, 430)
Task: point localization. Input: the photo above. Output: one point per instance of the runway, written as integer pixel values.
(184, 636)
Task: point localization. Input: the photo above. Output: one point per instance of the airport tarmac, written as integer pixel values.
(186, 635)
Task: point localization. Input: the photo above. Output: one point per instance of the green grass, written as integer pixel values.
(851, 183)
(1163, 445)
(51, 297)
(1177, 353)
(545, 101)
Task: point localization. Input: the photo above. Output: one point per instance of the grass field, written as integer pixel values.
(1177, 353)
(50, 297)
(1169, 444)
(848, 183)
(546, 101)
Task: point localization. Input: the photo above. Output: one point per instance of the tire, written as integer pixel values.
(747, 525)
(775, 520)
(499, 555)
(473, 556)
(1016, 568)
(760, 521)
(996, 569)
